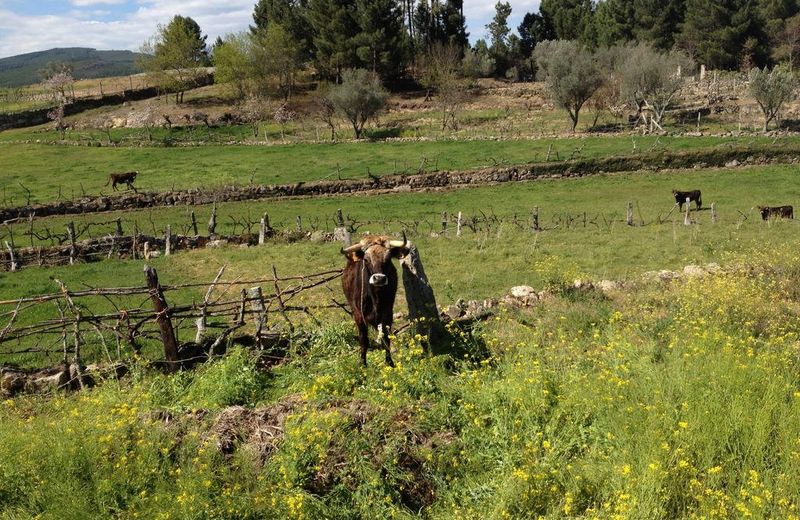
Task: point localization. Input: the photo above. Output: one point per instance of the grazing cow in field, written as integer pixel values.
(370, 285)
(693, 195)
(768, 212)
(122, 178)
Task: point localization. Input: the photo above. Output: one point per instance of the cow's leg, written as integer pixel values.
(386, 343)
(699, 203)
(363, 340)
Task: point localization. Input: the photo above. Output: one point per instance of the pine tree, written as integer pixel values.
(498, 34)
(614, 22)
(724, 33)
(657, 22)
(334, 28)
(289, 14)
(569, 18)
(382, 43)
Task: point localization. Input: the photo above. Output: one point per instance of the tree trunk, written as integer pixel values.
(163, 318)
(421, 300)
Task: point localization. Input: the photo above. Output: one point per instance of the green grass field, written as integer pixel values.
(66, 171)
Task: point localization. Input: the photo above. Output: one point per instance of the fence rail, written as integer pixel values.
(68, 322)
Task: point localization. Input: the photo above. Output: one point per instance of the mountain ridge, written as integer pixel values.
(86, 63)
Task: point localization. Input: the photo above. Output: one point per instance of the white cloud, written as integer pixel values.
(87, 3)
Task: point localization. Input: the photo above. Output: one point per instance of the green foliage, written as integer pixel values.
(771, 90)
(335, 28)
(382, 44)
(570, 19)
(233, 380)
(175, 54)
(499, 37)
(716, 33)
(289, 14)
(672, 400)
(571, 73)
(615, 22)
(360, 97)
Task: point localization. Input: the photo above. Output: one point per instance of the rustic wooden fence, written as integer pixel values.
(112, 324)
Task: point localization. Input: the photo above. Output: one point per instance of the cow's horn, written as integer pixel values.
(352, 249)
(399, 243)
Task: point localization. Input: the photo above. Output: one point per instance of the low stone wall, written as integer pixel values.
(731, 157)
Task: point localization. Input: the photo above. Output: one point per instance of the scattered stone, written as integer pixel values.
(694, 271)
(607, 286)
(522, 291)
(217, 243)
(732, 164)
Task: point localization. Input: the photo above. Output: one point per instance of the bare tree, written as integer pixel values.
(324, 108)
(254, 110)
(771, 90)
(440, 71)
(651, 80)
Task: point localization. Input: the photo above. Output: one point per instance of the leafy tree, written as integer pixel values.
(533, 29)
(233, 62)
(174, 55)
(360, 97)
(571, 74)
(478, 62)
(498, 34)
(614, 22)
(771, 90)
(334, 28)
(276, 60)
(381, 43)
(650, 81)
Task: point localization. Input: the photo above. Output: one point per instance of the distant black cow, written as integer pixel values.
(768, 212)
(681, 196)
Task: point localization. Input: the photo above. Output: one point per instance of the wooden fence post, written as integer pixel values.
(119, 227)
(76, 333)
(686, 220)
(629, 215)
(713, 212)
(535, 219)
(194, 223)
(163, 318)
(420, 298)
(12, 266)
(262, 230)
(458, 225)
(298, 222)
(259, 312)
(146, 250)
(168, 241)
(135, 240)
(444, 222)
(71, 235)
(212, 222)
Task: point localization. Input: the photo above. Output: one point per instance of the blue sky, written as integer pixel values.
(33, 25)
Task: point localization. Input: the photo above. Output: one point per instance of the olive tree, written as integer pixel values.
(570, 72)
(360, 97)
(771, 90)
(651, 80)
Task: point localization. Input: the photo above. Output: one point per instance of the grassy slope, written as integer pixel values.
(678, 401)
(46, 169)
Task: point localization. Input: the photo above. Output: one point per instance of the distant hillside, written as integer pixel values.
(24, 69)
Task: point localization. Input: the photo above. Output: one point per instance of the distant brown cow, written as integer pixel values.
(122, 178)
(768, 212)
(693, 195)
(370, 285)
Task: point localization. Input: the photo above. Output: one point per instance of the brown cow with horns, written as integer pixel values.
(370, 285)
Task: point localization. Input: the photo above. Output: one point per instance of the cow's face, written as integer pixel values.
(374, 255)
(764, 212)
